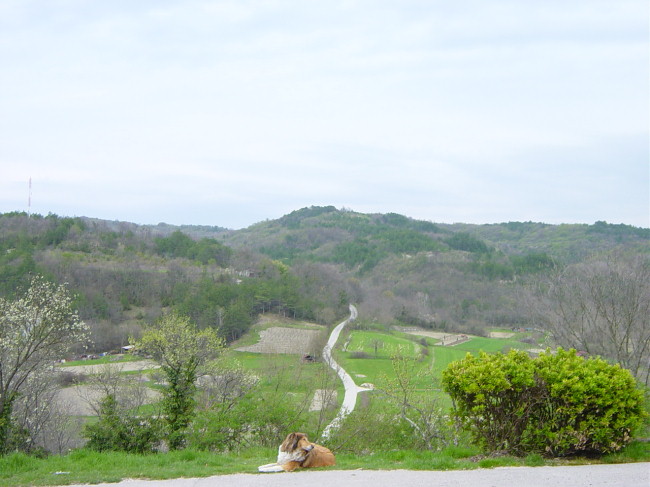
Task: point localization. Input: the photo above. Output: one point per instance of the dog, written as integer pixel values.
(297, 451)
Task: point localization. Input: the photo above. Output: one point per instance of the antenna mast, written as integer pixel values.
(29, 199)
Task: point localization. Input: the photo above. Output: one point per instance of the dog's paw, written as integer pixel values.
(270, 468)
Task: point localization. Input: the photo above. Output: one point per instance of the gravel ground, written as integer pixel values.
(621, 475)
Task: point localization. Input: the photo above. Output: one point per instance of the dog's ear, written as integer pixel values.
(296, 439)
(289, 442)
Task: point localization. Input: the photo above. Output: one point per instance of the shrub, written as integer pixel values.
(118, 431)
(557, 404)
(376, 428)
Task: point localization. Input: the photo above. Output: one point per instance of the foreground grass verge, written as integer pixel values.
(88, 467)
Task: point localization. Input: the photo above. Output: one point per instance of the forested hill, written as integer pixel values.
(360, 241)
(308, 264)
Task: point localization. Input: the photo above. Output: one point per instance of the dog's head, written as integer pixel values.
(295, 442)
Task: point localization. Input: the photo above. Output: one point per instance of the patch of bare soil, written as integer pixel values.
(267, 318)
(324, 399)
(501, 334)
(78, 400)
(279, 339)
(138, 365)
(446, 339)
(431, 334)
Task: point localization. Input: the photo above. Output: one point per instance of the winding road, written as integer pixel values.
(351, 388)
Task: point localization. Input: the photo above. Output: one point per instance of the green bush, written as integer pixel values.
(119, 431)
(557, 404)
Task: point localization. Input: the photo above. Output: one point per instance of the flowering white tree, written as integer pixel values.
(35, 330)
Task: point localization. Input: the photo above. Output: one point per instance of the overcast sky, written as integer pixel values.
(232, 112)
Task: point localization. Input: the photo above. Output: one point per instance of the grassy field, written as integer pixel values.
(367, 356)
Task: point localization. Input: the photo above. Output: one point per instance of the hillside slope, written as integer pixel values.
(309, 264)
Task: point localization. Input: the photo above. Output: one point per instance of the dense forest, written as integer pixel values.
(308, 264)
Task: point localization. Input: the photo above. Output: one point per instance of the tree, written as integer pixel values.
(603, 308)
(35, 330)
(376, 344)
(181, 349)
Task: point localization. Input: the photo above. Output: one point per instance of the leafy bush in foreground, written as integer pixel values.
(557, 404)
(119, 431)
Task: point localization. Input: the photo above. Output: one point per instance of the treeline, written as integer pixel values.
(125, 277)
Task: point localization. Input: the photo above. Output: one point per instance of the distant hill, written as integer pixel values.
(309, 264)
(325, 233)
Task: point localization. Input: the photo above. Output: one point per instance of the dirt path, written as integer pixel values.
(351, 388)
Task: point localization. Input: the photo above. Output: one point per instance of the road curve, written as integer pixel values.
(619, 475)
(351, 388)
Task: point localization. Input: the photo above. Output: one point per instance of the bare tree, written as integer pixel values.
(376, 344)
(603, 308)
(223, 385)
(42, 419)
(128, 390)
(422, 411)
(324, 397)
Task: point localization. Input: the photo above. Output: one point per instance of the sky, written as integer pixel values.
(229, 113)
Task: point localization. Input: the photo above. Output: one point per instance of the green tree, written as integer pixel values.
(181, 349)
(467, 242)
(35, 330)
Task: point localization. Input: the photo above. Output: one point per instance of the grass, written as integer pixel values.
(84, 466)
(107, 359)
(490, 345)
(88, 467)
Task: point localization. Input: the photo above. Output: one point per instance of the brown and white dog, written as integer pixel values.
(297, 451)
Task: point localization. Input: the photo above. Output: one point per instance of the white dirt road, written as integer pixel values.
(351, 388)
(621, 475)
